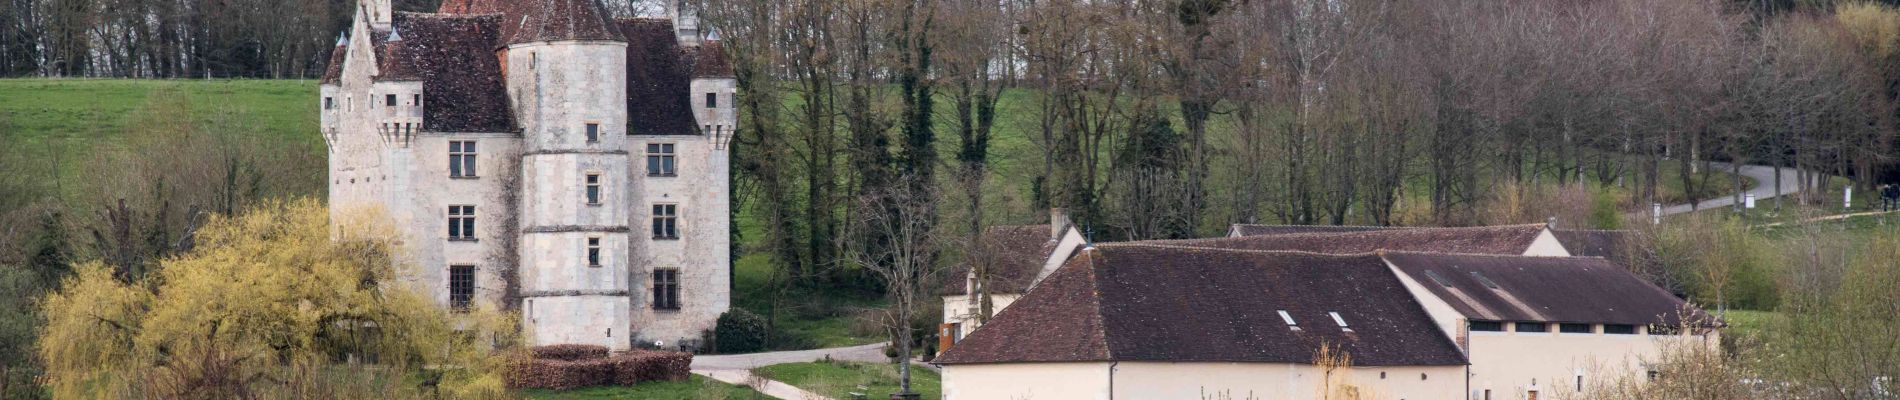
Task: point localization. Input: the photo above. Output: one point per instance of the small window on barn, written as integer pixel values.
(1289, 320)
(389, 100)
(1575, 328)
(1487, 326)
(1533, 327)
(329, 103)
(1619, 329)
(416, 101)
(712, 100)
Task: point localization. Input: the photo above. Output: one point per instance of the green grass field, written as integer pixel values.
(839, 379)
(696, 388)
(64, 121)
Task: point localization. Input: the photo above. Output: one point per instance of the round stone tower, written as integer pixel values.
(565, 69)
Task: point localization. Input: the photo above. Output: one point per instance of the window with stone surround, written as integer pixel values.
(666, 221)
(461, 287)
(593, 252)
(461, 159)
(593, 188)
(462, 223)
(666, 289)
(660, 159)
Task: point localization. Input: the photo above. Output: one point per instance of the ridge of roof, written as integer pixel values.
(1124, 303)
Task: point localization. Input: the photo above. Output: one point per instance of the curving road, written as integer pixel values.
(1764, 189)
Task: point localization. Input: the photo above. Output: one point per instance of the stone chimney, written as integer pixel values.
(1058, 222)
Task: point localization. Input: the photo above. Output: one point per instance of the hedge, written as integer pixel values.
(621, 370)
(569, 352)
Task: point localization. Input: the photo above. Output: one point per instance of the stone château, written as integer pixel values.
(544, 156)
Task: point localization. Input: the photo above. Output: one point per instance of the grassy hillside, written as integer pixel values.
(60, 123)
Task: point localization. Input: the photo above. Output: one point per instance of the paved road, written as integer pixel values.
(1764, 177)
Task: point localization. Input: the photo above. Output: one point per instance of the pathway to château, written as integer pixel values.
(737, 368)
(1764, 189)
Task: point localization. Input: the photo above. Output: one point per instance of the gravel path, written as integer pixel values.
(737, 368)
(867, 353)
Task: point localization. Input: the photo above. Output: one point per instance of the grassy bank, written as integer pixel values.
(839, 380)
(696, 388)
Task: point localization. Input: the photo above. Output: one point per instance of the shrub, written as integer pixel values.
(642, 366)
(621, 370)
(739, 331)
(570, 352)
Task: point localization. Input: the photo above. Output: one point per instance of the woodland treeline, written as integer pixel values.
(276, 39)
(1168, 119)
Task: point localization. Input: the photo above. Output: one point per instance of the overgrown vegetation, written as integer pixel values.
(269, 304)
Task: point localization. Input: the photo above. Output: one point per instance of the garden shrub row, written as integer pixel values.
(562, 367)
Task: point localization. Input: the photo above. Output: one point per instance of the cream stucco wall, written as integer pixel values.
(1546, 245)
(1511, 364)
(962, 310)
(1191, 380)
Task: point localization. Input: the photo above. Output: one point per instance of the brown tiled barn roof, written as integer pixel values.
(659, 97)
(1016, 254)
(1138, 302)
(1626, 248)
(453, 56)
(1541, 289)
(1508, 239)
(1265, 230)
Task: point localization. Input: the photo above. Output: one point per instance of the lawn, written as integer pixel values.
(697, 388)
(839, 379)
(1748, 323)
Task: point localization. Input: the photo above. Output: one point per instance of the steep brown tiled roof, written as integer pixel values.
(550, 20)
(454, 57)
(1509, 239)
(1265, 230)
(1541, 289)
(1137, 302)
(333, 73)
(524, 21)
(1016, 254)
(659, 90)
(710, 61)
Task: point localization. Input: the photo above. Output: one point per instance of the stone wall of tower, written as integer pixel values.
(701, 189)
(559, 88)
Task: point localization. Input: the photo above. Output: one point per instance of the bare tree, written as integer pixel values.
(907, 265)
